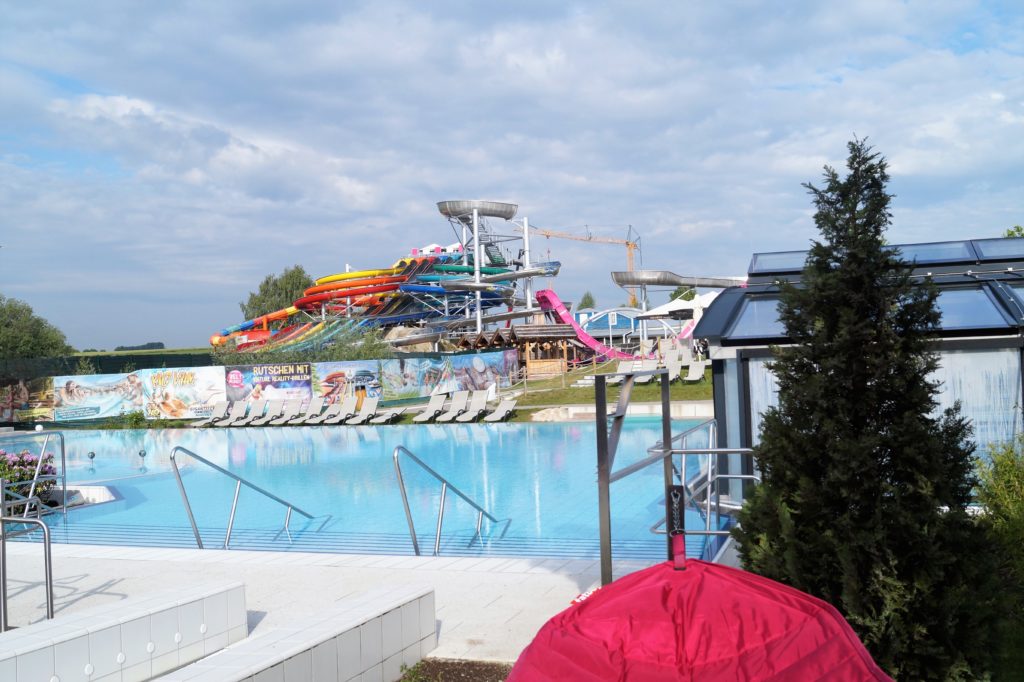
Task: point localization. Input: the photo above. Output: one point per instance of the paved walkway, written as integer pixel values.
(487, 608)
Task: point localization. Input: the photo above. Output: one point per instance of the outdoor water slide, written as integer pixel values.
(549, 302)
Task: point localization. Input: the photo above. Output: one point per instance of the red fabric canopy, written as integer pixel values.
(707, 622)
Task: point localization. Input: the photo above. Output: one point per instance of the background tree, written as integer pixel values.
(684, 292)
(276, 292)
(864, 492)
(23, 334)
(586, 301)
(1015, 231)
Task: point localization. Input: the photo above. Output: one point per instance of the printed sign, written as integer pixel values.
(285, 381)
(96, 395)
(26, 400)
(335, 380)
(182, 393)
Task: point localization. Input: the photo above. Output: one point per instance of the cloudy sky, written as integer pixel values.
(157, 160)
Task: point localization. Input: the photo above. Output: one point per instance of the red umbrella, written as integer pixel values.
(704, 622)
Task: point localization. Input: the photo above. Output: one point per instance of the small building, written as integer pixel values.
(981, 298)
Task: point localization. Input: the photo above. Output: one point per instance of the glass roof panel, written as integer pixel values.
(758, 319)
(1000, 249)
(782, 261)
(936, 252)
(973, 308)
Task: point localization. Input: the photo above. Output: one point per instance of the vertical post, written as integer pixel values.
(666, 442)
(440, 519)
(476, 269)
(526, 262)
(231, 519)
(3, 556)
(604, 508)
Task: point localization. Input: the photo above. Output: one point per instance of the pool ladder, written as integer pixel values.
(5, 507)
(239, 482)
(445, 485)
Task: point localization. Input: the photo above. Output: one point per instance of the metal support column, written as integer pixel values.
(476, 269)
(526, 263)
(666, 442)
(604, 466)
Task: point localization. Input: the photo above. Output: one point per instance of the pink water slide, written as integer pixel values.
(549, 302)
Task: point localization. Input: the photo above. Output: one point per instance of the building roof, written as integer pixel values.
(980, 282)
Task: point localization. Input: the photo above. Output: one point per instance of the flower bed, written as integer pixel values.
(20, 467)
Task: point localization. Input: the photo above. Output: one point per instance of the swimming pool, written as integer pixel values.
(541, 478)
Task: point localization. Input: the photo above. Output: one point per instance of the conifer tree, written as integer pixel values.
(864, 493)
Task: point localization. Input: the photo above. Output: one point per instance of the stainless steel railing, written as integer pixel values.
(239, 482)
(47, 557)
(445, 485)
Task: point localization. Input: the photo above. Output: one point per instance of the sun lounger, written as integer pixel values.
(388, 417)
(696, 371)
(503, 411)
(460, 400)
(366, 412)
(255, 412)
(238, 410)
(624, 366)
(220, 410)
(316, 406)
(290, 409)
(433, 408)
(346, 410)
(273, 410)
(477, 408)
(675, 368)
(646, 366)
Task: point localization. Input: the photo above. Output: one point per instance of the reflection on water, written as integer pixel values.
(541, 476)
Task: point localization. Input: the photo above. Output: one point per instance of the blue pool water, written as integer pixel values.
(540, 477)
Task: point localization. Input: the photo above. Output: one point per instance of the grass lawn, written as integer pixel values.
(551, 392)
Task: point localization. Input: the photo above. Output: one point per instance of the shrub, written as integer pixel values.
(20, 467)
(1001, 491)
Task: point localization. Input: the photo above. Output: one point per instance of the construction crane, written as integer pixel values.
(631, 242)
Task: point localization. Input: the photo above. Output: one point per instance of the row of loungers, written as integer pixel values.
(464, 408)
(289, 412)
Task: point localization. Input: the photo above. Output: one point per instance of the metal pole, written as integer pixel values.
(476, 269)
(184, 498)
(440, 512)
(35, 476)
(231, 518)
(526, 263)
(666, 444)
(405, 502)
(3, 557)
(604, 509)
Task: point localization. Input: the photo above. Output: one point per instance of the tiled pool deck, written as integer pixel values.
(487, 608)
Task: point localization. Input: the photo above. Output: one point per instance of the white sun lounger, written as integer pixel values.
(289, 411)
(477, 408)
(220, 410)
(274, 408)
(366, 412)
(624, 366)
(255, 412)
(238, 409)
(460, 400)
(503, 411)
(675, 369)
(316, 406)
(346, 410)
(696, 371)
(433, 408)
(388, 417)
(646, 366)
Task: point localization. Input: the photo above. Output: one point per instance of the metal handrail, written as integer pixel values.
(239, 482)
(47, 560)
(39, 465)
(445, 484)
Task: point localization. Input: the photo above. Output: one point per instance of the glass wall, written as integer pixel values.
(988, 385)
(986, 382)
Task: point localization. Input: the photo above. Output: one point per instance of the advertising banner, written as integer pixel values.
(415, 377)
(285, 381)
(477, 372)
(96, 395)
(182, 393)
(335, 380)
(26, 400)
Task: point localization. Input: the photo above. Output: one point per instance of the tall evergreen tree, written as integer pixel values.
(276, 292)
(864, 493)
